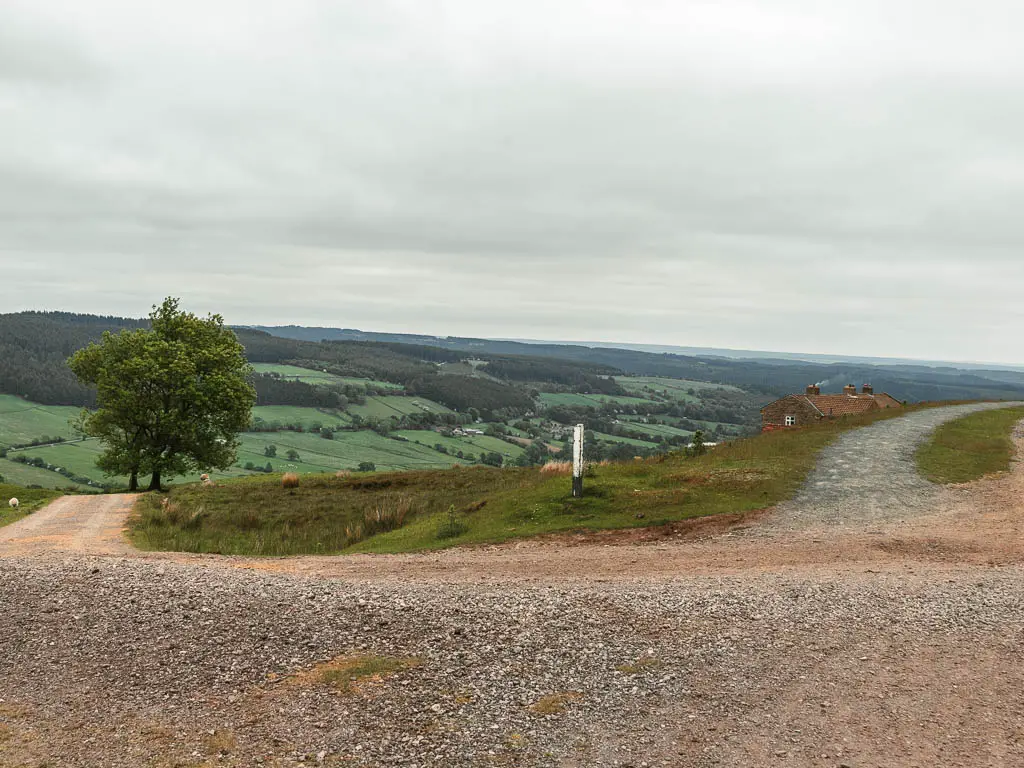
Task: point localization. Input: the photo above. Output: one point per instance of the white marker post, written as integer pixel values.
(577, 461)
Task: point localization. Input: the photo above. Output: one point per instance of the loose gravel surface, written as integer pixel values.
(896, 644)
(869, 475)
(82, 524)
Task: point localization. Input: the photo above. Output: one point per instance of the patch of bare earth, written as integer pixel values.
(727, 642)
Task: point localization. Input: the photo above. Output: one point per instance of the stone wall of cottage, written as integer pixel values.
(774, 414)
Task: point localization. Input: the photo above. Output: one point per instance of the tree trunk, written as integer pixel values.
(154, 484)
(133, 481)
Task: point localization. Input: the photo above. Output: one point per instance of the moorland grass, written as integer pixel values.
(406, 511)
(29, 500)
(971, 447)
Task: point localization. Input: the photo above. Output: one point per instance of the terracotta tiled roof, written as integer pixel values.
(844, 405)
(888, 401)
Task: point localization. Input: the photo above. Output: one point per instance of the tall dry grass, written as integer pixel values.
(557, 468)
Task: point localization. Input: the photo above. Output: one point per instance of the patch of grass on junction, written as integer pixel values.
(969, 448)
(404, 511)
(347, 673)
(29, 500)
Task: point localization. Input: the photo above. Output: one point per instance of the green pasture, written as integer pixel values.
(295, 373)
(346, 451)
(707, 426)
(79, 457)
(22, 421)
(676, 389)
(294, 414)
(626, 440)
(548, 399)
(310, 376)
(475, 444)
(664, 430)
(22, 475)
(386, 406)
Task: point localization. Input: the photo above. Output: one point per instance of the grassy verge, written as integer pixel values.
(415, 511)
(970, 448)
(29, 500)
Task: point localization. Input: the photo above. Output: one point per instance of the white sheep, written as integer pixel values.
(13, 503)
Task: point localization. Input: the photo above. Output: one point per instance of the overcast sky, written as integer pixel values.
(796, 175)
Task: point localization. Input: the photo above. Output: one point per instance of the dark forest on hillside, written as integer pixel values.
(34, 347)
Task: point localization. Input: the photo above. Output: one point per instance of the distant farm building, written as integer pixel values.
(812, 406)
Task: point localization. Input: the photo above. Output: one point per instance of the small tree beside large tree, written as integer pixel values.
(171, 399)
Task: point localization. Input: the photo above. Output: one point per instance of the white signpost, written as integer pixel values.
(577, 461)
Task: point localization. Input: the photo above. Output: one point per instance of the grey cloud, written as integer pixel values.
(44, 53)
(730, 174)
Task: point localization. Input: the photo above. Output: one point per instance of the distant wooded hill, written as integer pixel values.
(772, 377)
(500, 377)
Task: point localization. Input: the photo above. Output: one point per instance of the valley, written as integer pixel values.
(397, 403)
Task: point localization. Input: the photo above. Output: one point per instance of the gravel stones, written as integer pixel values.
(145, 662)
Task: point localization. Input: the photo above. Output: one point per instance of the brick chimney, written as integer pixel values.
(849, 389)
(868, 389)
(814, 389)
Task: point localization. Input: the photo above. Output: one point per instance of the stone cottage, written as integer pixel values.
(812, 406)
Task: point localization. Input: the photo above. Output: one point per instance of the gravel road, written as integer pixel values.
(895, 646)
(81, 524)
(869, 475)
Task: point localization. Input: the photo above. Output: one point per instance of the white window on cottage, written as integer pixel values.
(791, 421)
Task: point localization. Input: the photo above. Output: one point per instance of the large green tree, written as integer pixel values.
(171, 398)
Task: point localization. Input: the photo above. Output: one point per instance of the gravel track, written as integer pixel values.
(869, 476)
(847, 649)
(84, 524)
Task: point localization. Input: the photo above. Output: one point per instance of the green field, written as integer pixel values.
(475, 444)
(80, 458)
(309, 376)
(294, 414)
(316, 454)
(22, 421)
(676, 389)
(20, 474)
(664, 430)
(548, 399)
(346, 451)
(394, 405)
(626, 440)
(634, 422)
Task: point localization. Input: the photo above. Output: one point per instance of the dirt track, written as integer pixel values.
(71, 524)
(739, 644)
